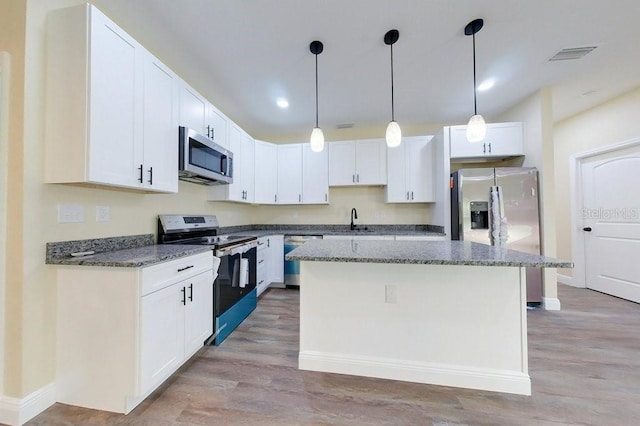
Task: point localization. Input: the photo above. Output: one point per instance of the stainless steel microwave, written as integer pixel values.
(203, 161)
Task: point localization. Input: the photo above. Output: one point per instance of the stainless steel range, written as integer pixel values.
(234, 289)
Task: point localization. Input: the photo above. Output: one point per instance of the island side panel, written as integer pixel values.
(451, 325)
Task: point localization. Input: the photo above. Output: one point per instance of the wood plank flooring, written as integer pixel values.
(584, 364)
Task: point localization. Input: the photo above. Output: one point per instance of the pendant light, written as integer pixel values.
(317, 137)
(477, 128)
(393, 134)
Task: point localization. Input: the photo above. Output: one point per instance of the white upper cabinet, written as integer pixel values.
(410, 171)
(160, 126)
(266, 174)
(315, 176)
(361, 162)
(96, 92)
(193, 109)
(290, 174)
(200, 115)
(242, 188)
(502, 140)
(216, 126)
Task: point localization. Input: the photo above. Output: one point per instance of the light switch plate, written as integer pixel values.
(103, 214)
(70, 213)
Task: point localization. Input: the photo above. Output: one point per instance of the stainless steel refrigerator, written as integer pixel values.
(499, 206)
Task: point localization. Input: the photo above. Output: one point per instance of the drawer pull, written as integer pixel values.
(261, 261)
(185, 268)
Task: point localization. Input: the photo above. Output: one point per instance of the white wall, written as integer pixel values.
(607, 124)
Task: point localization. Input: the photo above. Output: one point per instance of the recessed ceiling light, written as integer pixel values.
(282, 103)
(486, 85)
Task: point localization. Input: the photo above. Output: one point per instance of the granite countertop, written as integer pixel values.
(419, 252)
(337, 230)
(133, 257)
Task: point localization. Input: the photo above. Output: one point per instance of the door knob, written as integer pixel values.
(588, 229)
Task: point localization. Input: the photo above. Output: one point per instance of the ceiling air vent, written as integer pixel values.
(572, 53)
(345, 126)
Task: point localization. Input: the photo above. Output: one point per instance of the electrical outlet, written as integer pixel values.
(70, 213)
(103, 214)
(390, 293)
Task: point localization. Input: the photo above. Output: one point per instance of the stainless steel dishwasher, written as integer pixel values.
(292, 267)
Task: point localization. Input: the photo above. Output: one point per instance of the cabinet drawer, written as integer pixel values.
(164, 274)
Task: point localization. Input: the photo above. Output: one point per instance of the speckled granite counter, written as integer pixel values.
(264, 230)
(131, 251)
(419, 252)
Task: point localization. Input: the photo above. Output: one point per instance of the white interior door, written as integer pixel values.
(611, 225)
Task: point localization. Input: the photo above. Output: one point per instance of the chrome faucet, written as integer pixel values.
(354, 215)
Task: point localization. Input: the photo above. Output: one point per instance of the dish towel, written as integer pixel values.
(235, 278)
(244, 272)
(499, 232)
(216, 266)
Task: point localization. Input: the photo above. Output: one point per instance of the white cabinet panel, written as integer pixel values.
(502, 140)
(106, 99)
(216, 126)
(162, 345)
(315, 176)
(160, 126)
(242, 188)
(266, 173)
(342, 163)
(193, 109)
(144, 337)
(410, 169)
(361, 162)
(198, 312)
(275, 247)
(290, 174)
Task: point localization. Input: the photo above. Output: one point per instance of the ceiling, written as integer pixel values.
(243, 55)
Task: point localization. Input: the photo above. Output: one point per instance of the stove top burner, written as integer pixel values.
(196, 230)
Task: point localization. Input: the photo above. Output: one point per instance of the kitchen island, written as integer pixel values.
(445, 312)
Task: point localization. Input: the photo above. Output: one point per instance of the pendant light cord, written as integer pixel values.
(316, 90)
(392, 106)
(475, 105)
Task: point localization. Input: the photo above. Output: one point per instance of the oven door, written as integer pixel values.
(236, 276)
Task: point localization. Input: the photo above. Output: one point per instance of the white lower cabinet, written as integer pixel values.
(122, 331)
(270, 259)
(275, 246)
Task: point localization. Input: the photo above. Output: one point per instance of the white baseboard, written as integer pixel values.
(437, 374)
(18, 411)
(551, 303)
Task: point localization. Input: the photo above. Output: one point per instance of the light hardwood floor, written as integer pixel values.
(584, 364)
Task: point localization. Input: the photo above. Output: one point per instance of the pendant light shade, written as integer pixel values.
(317, 137)
(393, 135)
(317, 140)
(476, 128)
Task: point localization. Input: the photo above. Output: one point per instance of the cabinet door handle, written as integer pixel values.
(407, 195)
(353, 178)
(208, 131)
(140, 170)
(184, 296)
(484, 148)
(261, 282)
(489, 147)
(358, 178)
(275, 198)
(411, 195)
(191, 292)
(185, 268)
(151, 175)
(213, 133)
(326, 197)
(299, 198)
(268, 242)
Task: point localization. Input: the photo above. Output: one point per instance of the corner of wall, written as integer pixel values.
(16, 411)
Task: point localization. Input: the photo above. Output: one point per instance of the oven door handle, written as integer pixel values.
(236, 249)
